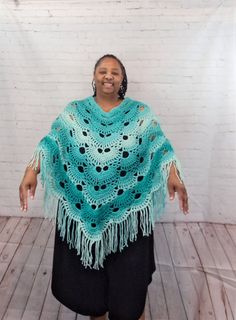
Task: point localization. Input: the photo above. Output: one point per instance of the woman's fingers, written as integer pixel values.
(175, 186)
(183, 199)
(32, 190)
(24, 197)
(27, 188)
(171, 192)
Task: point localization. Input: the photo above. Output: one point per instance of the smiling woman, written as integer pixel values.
(109, 80)
(106, 167)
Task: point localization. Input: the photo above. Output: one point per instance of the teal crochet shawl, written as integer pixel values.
(104, 175)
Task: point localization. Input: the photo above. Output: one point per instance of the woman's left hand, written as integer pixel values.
(176, 185)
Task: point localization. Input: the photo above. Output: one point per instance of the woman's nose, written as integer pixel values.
(108, 76)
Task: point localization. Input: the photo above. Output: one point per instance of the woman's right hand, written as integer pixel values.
(27, 187)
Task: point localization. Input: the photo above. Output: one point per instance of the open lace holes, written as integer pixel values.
(81, 168)
(154, 123)
(79, 187)
(125, 154)
(82, 150)
(78, 206)
(123, 173)
(62, 184)
(152, 137)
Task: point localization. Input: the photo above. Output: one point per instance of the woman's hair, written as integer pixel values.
(124, 84)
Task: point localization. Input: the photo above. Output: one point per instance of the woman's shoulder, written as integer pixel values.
(75, 104)
(142, 105)
(136, 101)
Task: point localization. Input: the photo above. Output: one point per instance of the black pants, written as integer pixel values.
(119, 288)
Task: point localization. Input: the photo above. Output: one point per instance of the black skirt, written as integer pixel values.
(119, 288)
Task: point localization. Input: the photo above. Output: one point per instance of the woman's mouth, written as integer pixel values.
(108, 84)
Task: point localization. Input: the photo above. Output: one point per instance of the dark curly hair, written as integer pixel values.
(124, 84)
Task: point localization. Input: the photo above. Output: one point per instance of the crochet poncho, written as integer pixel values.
(104, 174)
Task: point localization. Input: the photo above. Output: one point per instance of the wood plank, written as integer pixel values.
(3, 221)
(20, 230)
(175, 306)
(44, 232)
(37, 296)
(206, 311)
(209, 267)
(8, 229)
(182, 272)
(51, 306)
(25, 282)
(65, 313)
(10, 248)
(80, 317)
(147, 309)
(2, 245)
(50, 243)
(32, 231)
(232, 231)
(224, 271)
(156, 296)
(19, 298)
(227, 243)
(6, 257)
(9, 282)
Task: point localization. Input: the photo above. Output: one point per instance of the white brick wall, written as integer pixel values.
(179, 59)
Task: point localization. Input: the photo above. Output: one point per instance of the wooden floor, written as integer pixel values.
(195, 276)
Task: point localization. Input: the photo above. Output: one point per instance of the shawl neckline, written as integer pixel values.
(113, 111)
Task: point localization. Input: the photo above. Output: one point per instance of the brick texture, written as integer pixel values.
(179, 59)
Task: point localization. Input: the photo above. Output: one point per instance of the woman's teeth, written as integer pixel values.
(108, 84)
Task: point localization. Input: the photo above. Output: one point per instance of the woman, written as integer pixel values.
(106, 167)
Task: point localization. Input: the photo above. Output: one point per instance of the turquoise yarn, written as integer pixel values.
(99, 169)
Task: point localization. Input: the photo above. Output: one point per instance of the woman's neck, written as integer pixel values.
(107, 102)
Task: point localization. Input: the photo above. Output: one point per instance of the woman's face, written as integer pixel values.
(108, 77)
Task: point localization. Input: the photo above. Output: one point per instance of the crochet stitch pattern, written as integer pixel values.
(99, 170)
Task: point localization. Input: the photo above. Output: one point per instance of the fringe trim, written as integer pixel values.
(35, 161)
(37, 164)
(117, 235)
(114, 238)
